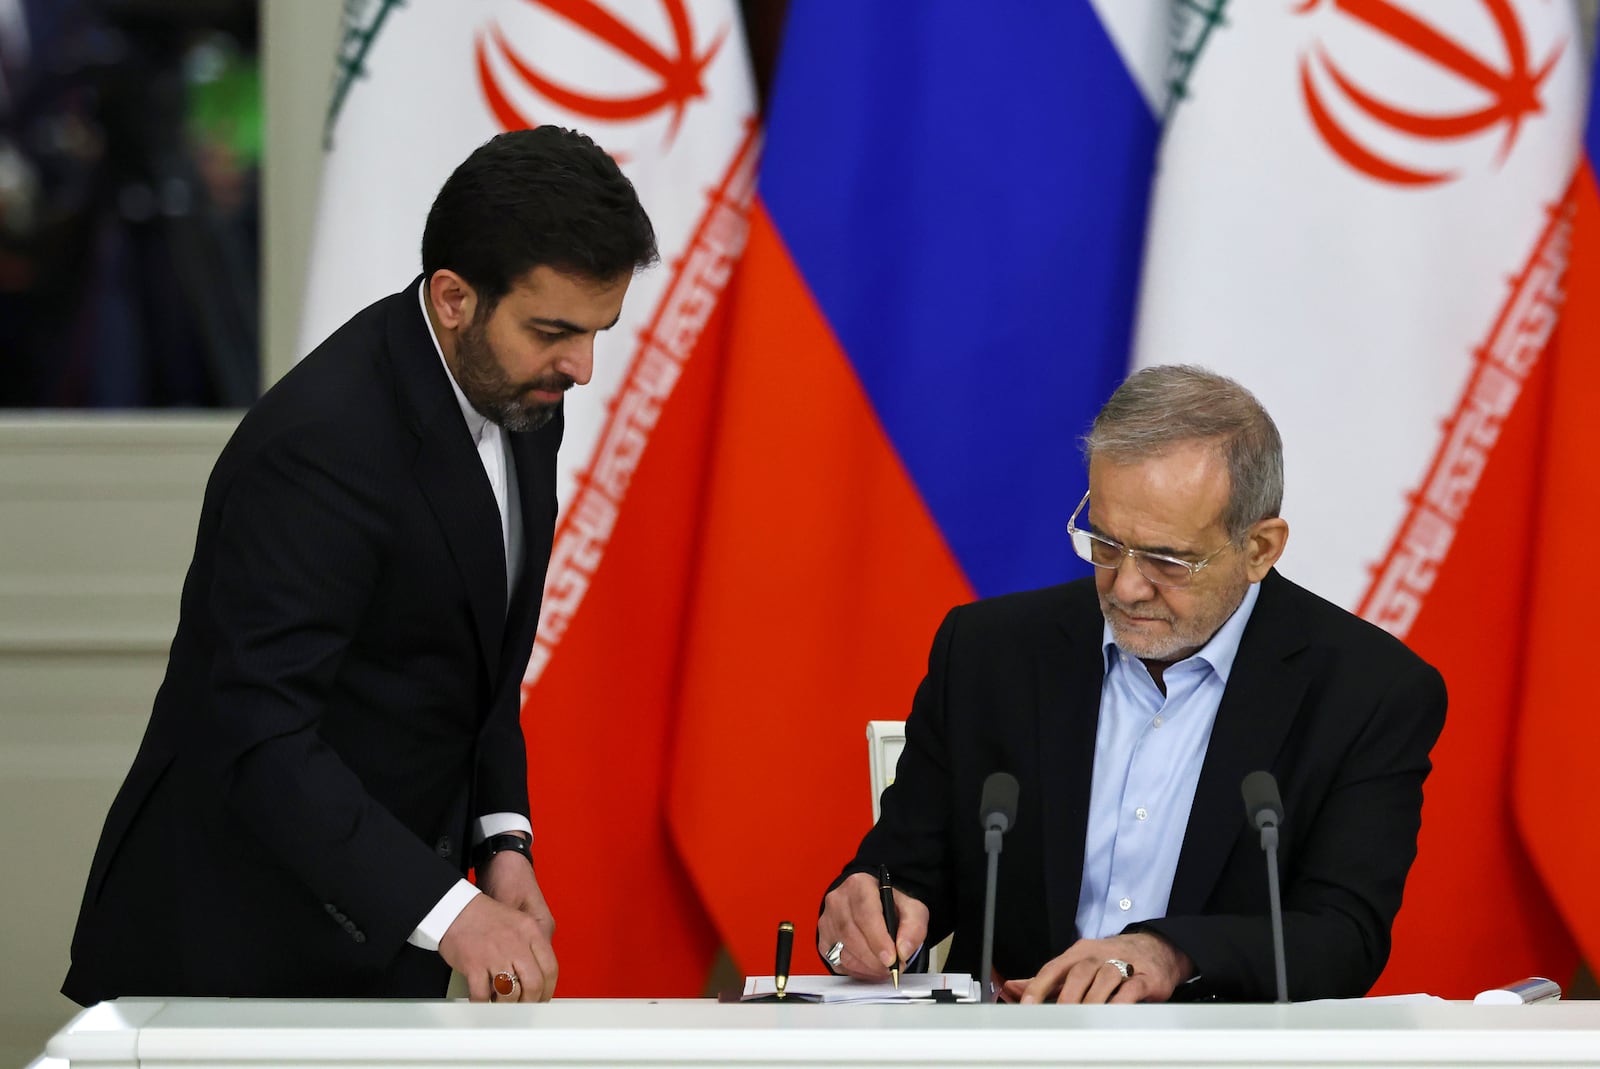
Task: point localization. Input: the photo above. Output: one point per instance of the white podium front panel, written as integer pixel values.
(573, 1032)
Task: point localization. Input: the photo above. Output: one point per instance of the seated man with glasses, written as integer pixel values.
(1130, 706)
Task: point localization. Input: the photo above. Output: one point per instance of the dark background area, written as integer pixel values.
(130, 135)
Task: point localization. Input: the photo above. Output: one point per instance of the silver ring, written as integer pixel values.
(1121, 966)
(832, 956)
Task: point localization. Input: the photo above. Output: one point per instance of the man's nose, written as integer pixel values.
(1130, 584)
(577, 360)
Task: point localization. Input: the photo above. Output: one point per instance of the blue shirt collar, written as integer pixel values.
(1219, 652)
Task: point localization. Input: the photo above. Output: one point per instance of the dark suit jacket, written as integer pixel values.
(342, 695)
(1339, 711)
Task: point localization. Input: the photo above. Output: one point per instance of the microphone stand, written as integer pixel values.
(991, 846)
(1269, 844)
(997, 812)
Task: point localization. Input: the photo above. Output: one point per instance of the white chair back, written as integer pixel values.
(885, 740)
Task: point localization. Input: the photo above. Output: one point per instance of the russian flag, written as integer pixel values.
(937, 295)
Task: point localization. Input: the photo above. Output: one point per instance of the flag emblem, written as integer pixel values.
(678, 73)
(1504, 89)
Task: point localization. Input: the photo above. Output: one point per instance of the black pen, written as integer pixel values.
(891, 918)
(780, 969)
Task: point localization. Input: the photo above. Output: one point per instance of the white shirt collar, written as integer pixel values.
(477, 423)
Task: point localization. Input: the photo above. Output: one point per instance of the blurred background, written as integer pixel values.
(909, 248)
(130, 204)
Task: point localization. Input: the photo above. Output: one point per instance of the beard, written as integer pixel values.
(1182, 636)
(492, 393)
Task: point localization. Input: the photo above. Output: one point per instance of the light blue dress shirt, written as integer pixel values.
(1148, 749)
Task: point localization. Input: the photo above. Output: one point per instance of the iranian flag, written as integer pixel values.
(665, 87)
(1364, 212)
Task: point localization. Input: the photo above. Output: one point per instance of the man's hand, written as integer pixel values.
(507, 929)
(509, 878)
(1082, 972)
(853, 914)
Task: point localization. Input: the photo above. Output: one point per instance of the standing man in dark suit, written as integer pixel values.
(1130, 706)
(338, 734)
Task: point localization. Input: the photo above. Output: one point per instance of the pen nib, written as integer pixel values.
(895, 975)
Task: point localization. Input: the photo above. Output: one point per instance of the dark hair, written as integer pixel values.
(531, 198)
(1159, 408)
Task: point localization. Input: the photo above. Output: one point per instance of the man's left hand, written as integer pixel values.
(510, 880)
(1084, 973)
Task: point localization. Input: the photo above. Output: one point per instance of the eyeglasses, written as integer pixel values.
(1159, 568)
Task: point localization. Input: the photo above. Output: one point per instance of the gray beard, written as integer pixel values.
(514, 416)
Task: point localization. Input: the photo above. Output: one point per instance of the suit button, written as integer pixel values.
(350, 926)
(340, 917)
(360, 937)
(330, 907)
(443, 846)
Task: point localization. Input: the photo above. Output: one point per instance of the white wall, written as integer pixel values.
(97, 518)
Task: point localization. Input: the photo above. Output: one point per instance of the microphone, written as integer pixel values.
(1263, 808)
(999, 806)
(1261, 802)
(998, 812)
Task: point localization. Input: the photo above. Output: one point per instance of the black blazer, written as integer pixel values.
(1339, 711)
(342, 695)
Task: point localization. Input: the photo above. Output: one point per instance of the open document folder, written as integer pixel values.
(952, 987)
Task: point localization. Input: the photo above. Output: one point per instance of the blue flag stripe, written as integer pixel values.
(964, 189)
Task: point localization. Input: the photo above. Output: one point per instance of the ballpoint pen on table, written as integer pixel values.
(780, 968)
(891, 918)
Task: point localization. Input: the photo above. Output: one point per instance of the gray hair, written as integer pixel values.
(1160, 408)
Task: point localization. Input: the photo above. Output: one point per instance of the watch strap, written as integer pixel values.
(495, 844)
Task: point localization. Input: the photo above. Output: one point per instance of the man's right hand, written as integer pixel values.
(853, 914)
(489, 937)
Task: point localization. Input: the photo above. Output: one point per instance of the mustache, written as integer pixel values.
(1148, 610)
(554, 382)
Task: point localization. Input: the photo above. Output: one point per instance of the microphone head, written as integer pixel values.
(1262, 806)
(998, 808)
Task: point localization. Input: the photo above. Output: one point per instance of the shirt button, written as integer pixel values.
(1125, 905)
(1160, 720)
(1141, 812)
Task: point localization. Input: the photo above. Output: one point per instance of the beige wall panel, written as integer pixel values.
(97, 520)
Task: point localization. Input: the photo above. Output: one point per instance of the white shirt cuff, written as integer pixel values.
(495, 823)
(431, 930)
(440, 917)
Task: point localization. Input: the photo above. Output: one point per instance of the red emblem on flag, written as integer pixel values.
(1508, 84)
(678, 76)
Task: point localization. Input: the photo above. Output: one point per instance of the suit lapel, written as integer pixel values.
(449, 473)
(1070, 673)
(1262, 698)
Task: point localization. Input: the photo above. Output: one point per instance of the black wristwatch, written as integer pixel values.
(494, 844)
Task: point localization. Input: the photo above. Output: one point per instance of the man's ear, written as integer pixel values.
(1264, 545)
(452, 298)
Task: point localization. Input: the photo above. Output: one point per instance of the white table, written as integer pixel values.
(577, 1032)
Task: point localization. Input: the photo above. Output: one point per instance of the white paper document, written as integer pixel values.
(914, 987)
